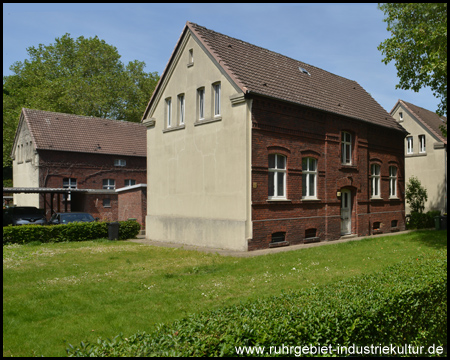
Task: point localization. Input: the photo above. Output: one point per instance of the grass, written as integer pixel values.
(55, 294)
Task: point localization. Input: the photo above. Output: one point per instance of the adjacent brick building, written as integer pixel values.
(250, 149)
(90, 156)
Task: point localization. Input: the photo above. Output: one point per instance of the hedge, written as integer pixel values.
(404, 304)
(71, 232)
(417, 220)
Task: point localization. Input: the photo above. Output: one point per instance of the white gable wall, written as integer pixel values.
(428, 167)
(25, 169)
(199, 176)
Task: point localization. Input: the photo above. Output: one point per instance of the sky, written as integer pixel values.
(339, 38)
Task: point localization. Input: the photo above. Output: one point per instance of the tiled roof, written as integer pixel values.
(260, 71)
(430, 119)
(68, 132)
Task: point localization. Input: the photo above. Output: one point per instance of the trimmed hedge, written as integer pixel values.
(404, 304)
(71, 232)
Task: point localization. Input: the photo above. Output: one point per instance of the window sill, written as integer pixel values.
(376, 199)
(311, 200)
(174, 128)
(416, 155)
(207, 121)
(394, 198)
(278, 244)
(279, 200)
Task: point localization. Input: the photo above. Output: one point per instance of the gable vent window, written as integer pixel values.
(120, 162)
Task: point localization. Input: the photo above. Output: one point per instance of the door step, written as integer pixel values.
(350, 236)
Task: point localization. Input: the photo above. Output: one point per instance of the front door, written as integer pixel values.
(346, 212)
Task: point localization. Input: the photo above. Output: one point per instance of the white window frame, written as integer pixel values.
(217, 103)
(276, 172)
(346, 148)
(400, 114)
(393, 181)
(191, 57)
(109, 184)
(181, 106)
(169, 112)
(375, 175)
(201, 103)
(422, 144)
(71, 183)
(309, 172)
(120, 162)
(409, 145)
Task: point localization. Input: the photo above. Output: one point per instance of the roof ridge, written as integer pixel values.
(271, 51)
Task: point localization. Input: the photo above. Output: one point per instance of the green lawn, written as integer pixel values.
(55, 294)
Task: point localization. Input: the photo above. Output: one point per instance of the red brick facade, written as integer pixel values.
(297, 132)
(89, 170)
(133, 204)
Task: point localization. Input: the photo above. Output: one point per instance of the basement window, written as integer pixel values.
(394, 223)
(278, 237)
(310, 233)
(376, 225)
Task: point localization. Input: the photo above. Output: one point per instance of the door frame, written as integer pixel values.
(346, 199)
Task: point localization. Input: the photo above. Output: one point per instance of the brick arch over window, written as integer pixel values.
(278, 150)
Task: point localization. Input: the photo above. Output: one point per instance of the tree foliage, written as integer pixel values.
(416, 195)
(82, 76)
(418, 46)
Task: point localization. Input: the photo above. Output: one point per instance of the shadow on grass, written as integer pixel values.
(436, 239)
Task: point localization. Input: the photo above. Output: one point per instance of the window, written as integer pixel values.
(169, 112)
(409, 145)
(181, 109)
(346, 148)
(109, 184)
(216, 88)
(392, 182)
(394, 223)
(120, 162)
(107, 202)
(422, 148)
(278, 237)
(191, 57)
(400, 114)
(375, 180)
(309, 178)
(377, 225)
(130, 182)
(310, 233)
(201, 103)
(277, 176)
(69, 183)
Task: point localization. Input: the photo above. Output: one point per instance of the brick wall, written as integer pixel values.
(89, 170)
(133, 204)
(297, 132)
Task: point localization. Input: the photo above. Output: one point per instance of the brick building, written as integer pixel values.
(91, 157)
(250, 149)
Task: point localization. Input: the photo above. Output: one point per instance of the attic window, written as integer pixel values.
(304, 71)
(120, 162)
(190, 58)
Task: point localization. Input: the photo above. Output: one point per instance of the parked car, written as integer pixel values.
(23, 215)
(69, 217)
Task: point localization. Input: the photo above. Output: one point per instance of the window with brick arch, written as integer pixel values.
(375, 181)
(277, 176)
(309, 178)
(346, 148)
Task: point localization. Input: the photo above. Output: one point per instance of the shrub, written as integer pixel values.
(70, 232)
(404, 304)
(416, 195)
(417, 220)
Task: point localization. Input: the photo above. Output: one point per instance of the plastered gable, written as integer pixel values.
(202, 167)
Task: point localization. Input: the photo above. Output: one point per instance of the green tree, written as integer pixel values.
(418, 46)
(416, 195)
(82, 76)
